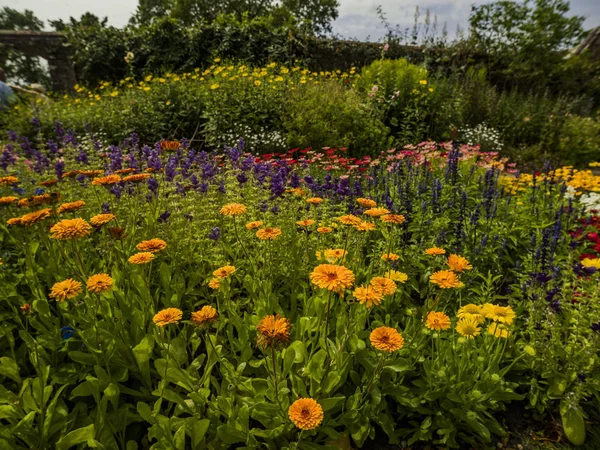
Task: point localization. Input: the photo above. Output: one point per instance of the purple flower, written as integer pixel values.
(164, 216)
(36, 123)
(117, 191)
(58, 129)
(105, 208)
(52, 146)
(222, 189)
(215, 234)
(12, 136)
(153, 185)
(82, 157)
(59, 168)
(171, 168)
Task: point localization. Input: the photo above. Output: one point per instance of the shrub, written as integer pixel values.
(579, 140)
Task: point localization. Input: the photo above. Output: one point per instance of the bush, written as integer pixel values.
(579, 140)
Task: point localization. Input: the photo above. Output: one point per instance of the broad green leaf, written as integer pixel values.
(10, 369)
(75, 437)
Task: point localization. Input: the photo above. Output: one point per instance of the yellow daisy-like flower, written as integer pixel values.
(396, 219)
(365, 226)
(305, 222)
(8, 200)
(366, 202)
(297, 192)
(390, 257)
(255, 224)
(224, 272)
(445, 279)
(331, 277)
(66, 289)
(167, 316)
(69, 207)
(376, 212)
(487, 310)
(268, 234)
(324, 230)
(368, 295)
(152, 245)
(498, 330)
(437, 321)
(314, 200)
(333, 254)
(435, 251)
(70, 229)
(591, 262)
(141, 258)
(106, 181)
(273, 331)
(386, 339)
(205, 316)
(125, 171)
(74, 173)
(306, 414)
(394, 275)
(102, 219)
(214, 283)
(468, 327)
(384, 285)
(98, 283)
(15, 221)
(48, 183)
(470, 311)
(136, 178)
(170, 146)
(8, 181)
(349, 219)
(35, 217)
(86, 173)
(503, 314)
(233, 209)
(458, 264)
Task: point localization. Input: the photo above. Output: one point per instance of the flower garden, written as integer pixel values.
(168, 298)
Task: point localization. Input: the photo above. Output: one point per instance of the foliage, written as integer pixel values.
(579, 140)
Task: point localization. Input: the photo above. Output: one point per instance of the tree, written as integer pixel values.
(148, 10)
(317, 13)
(86, 20)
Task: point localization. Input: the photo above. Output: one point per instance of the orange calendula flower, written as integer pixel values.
(141, 258)
(205, 316)
(368, 295)
(333, 254)
(48, 183)
(214, 283)
(41, 199)
(305, 222)
(298, 192)
(70, 207)
(26, 309)
(385, 286)
(14, 221)
(8, 200)
(8, 181)
(365, 226)
(106, 181)
(457, 263)
(152, 246)
(445, 279)
(102, 219)
(35, 217)
(390, 257)
(74, 173)
(273, 331)
(66, 289)
(396, 219)
(224, 272)
(99, 283)
(314, 200)
(70, 229)
(233, 209)
(167, 316)
(170, 146)
(366, 202)
(117, 232)
(124, 171)
(376, 212)
(268, 234)
(435, 251)
(136, 178)
(306, 414)
(253, 225)
(87, 173)
(23, 203)
(394, 275)
(468, 327)
(437, 321)
(331, 277)
(324, 230)
(349, 219)
(386, 339)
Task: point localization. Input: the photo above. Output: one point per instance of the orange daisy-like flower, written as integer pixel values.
(87, 173)
(390, 257)
(98, 283)
(306, 414)
(385, 286)
(298, 192)
(41, 199)
(214, 283)
(305, 222)
(170, 146)
(70, 229)
(331, 277)
(152, 246)
(273, 331)
(124, 171)
(8, 181)
(376, 212)
(365, 226)
(366, 202)
(117, 233)
(437, 321)
(253, 225)
(102, 219)
(314, 200)
(368, 295)
(435, 251)
(224, 272)
(324, 230)
(66, 289)
(446, 279)
(333, 254)
(23, 203)
(167, 316)
(136, 178)
(35, 217)
(349, 219)
(73, 173)
(268, 233)
(233, 209)
(8, 200)
(15, 221)
(457, 263)
(205, 316)
(26, 309)
(141, 258)
(394, 275)
(107, 180)
(70, 207)
(386, 339)
(48, 183)
(396, 219)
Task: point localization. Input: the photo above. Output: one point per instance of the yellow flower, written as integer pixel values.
(106, 181)
(349, 219)
(470, 311)
(368, 295)
(141, 258)
(324, 230)
(445, 279)
(314, 200)
(98, 283)
(66, 289)
(332, 277)
(306, 414)
(70, 229)
(390, 257)
(437, 321)
(8, 181)
(394, 275)
(376, 212)
(268, 234)
(102, 219)
(214, 86)
(8, 200)
(503, 314)
(255, 224)
(214, 283)
(366, 202)
(167, 316)
(393, 218)
(273, 331)
(152, 246)
(136, 178)
(457, 263)
(224, 272)
(34, 217)
(384, 285)
(205, 316)
(468, 327)
(257, 82)
(15, 221)
(386, 339)
(423, 82)
(305, 222)
(498, 330)
(333, 254)
(589, 262)
(365, 226)
(435, 251)
(233, 209)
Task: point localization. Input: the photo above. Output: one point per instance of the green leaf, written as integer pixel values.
(331, 402)
(229, 435)
(196, 430)
(573, 424)
(10, 369)
(75, 437)
(41, 307)
(83, 358)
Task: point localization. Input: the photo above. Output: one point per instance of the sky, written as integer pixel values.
(357, 18)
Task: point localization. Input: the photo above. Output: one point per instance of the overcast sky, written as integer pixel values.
(357, 18)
